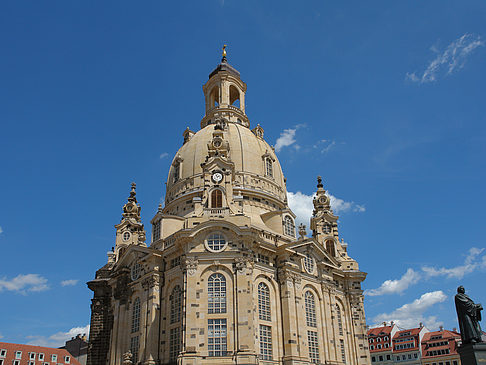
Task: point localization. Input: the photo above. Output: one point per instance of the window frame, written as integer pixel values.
(289, 226)
(217, 294)
(211, 246)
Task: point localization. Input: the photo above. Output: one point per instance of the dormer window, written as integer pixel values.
(216, 199)
(177, 168)
(269, 167)
(156, 231)
(289, 226)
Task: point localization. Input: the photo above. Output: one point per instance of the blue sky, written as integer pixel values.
(384, 99)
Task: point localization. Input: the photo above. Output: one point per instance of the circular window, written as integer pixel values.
(126, 236)
(136, 270)
(216, 242)
(309, 263)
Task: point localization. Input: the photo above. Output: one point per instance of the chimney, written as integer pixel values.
(454, 329)
(384, 324)
(441, 328)
(392, 323)
(421, 324)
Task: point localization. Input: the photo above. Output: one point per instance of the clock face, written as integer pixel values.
(217, 177)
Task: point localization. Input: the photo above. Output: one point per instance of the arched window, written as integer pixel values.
(330, 248)
(136, 315)
(234, 96)
(269, 167)
(216, 199)
(214, 97)
(217, 294)
(309, 263)
(264, 302)
(310, 309)
(289, 227)
(177, 171)
(339, 320)
(175, 304)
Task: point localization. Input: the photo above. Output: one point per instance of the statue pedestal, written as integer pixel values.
(473, 353)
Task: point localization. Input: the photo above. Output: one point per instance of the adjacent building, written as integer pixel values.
(16, 354)
(380, 344)
(406, 345)
(227, 277)
(440, 348)
(78, 347)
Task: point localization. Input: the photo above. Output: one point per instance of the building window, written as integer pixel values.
(310, 309)
(380, 358)
(289, 227)
(217, 337)
(3, 352)
(373, 359)
(156, 231)
(67, 359)
(263, 259)
(126, 236)
(41, 357)
(18, 354)
(136, 315)
(339, 320)
(177, 171)
(265, 342)
(134, 346)
(175, 343)
(216, 242)
(268, 167)
(388, 357)
(136, 271)
(1, 362)
(372, 347)
(343, 352)
(330, 248)
(216, 199)
(16, 362)
(264, 302)
(175, 304)
(309, 263)
(32, 355)
(217, 294)
(53, 357)
(313, 346)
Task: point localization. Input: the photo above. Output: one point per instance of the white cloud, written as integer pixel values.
(1, 230)
(395, 286)
(325, 145)
(287, 138)
(301, 204)
(70, 282)
(24, 283)
(411, 314)
(451, 59)
(58, 339)
(163, 155)
(471, 263)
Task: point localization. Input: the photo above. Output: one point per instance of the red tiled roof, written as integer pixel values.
(376, 331)
(26, 350)
(431, 347)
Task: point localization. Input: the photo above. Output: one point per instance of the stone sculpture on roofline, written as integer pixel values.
(472, 349)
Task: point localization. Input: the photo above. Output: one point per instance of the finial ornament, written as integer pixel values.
(224, 53)
(319, 182)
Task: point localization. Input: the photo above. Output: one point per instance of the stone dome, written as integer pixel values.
(246, 149)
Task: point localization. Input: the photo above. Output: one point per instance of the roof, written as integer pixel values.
(26, 350)
(435, 344)
(413, 332)
(378, 331)
(224, 66)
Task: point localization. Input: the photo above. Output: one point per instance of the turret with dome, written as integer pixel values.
(224, 279)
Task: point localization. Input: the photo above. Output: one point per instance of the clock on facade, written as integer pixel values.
(217, 177)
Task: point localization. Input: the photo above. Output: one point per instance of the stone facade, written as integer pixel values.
(227, 277)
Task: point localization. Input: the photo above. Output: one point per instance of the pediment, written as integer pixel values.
(133, 252)
(311, 245)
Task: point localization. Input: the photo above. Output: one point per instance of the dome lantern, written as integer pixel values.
(224, 95)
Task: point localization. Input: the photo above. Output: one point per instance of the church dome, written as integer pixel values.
(256, 167)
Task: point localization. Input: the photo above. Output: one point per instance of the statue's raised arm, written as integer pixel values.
(468, 315)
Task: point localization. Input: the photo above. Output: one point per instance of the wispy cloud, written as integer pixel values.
(325, 145)
(450, 60)
(70, 282)
(1, 230)
(395, 286)
(411, 314)
(163, 155)
(473, 261)
(58, 339)
(301, 204)
(24, 283)
(287, 138)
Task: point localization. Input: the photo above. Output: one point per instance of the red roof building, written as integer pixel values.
(440, 348)
(406, 345)
(380, 343)
(14, 354)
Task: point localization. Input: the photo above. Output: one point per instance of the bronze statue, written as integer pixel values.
(468, 315)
